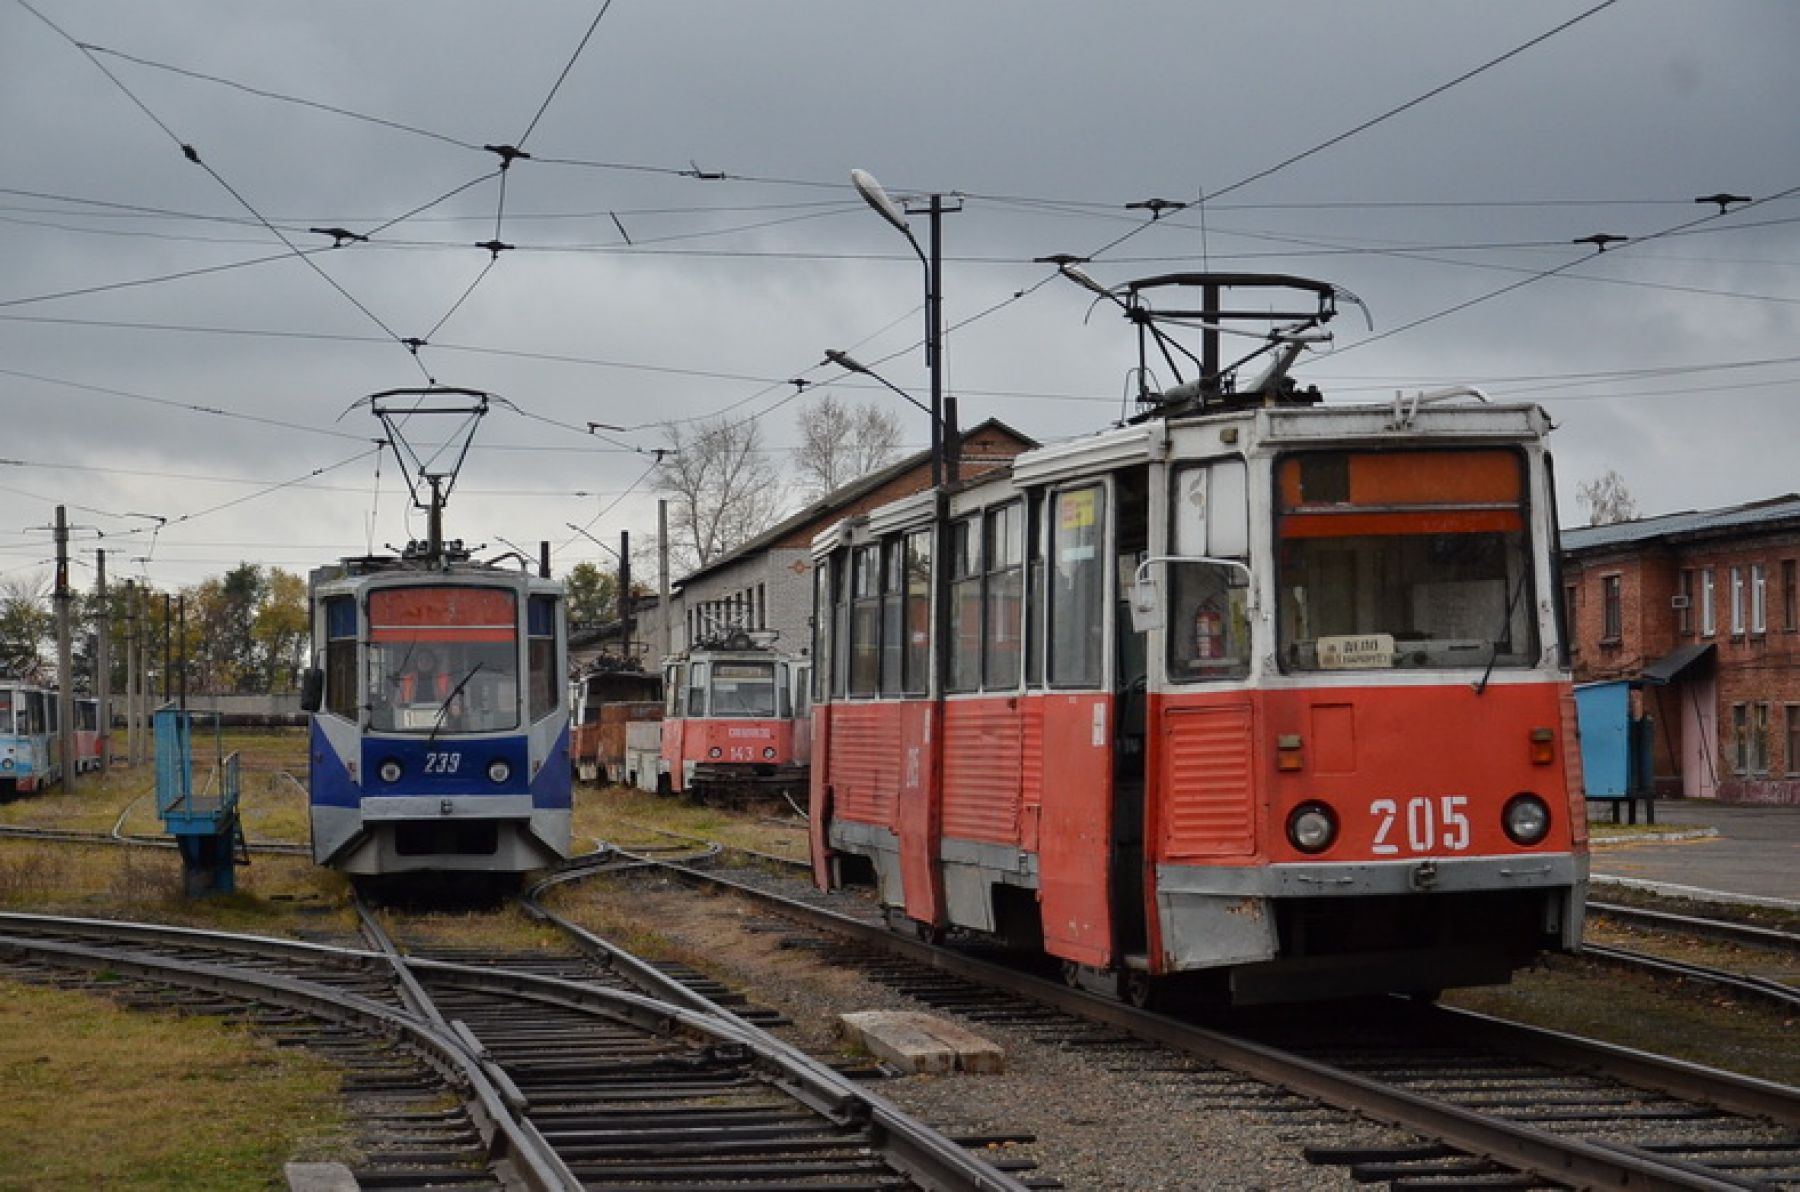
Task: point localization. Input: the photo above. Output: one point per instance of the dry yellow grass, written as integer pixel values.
(625, 817)
(99, 1097)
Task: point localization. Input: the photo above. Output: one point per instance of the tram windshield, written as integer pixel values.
(443, 660)
(1417, 559)
(743, 689)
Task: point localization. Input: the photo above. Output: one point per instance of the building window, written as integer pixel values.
(1759, 738)
(1793, 740)
(1684, 603)
(1750, 738)
(1709, 617)
(1569, 623)
(1612, 617)
(1737, 602)
(1759, 599)
(1790, 597)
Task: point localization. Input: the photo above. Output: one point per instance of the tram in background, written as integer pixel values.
(30, 748)
(603, 703)
(736, 719)
(87, 734)
(1252, 699)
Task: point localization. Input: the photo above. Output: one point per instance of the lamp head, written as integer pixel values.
(874, 196)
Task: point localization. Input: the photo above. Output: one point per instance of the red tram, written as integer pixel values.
(1252, 699)
(735, 721)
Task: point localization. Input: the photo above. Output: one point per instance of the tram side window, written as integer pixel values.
(1034, 592)
(1209, 625)
(893, 635)
(965, 605)
(840, 621)
(695, 702)
(821, 627)
(1005, 553)
(1077, 587)
(918, 612)
(541, 634)
(674, 691)
(340, 657)
(865, 619)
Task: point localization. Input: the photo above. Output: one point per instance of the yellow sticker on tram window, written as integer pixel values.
(1076, 509)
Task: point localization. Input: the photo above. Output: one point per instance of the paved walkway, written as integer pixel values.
(1754, 853)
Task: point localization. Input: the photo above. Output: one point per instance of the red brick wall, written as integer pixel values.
(1753, 668)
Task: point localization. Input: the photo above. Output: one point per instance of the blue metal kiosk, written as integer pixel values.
(1617, 758)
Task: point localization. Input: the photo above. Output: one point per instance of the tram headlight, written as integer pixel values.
(1526, 819)
(1311, 827)
(715, 752)
(499, 771)
(769, 753)
(389, 771)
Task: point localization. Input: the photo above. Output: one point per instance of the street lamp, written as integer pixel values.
(849, 363)
(877, 198)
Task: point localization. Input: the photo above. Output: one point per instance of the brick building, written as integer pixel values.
(1704, 608)
(766, 583)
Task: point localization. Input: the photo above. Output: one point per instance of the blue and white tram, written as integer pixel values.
(30, 749)
(440, 720)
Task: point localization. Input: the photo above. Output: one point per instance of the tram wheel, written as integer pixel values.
(1142, 990)
(1071, 974)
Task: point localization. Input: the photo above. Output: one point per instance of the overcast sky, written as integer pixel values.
(165, 354)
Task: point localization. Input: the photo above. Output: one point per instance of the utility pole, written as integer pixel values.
(625, 590)
(65, 656)
(103, 660)
(662, 563)
(131, 670)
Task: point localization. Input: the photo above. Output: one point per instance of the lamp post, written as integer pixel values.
(874, 196)
(849, 363)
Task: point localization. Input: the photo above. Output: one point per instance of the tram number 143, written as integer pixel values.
(1428, 824)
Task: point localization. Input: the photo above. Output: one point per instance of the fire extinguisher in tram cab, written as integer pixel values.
(1209, 633)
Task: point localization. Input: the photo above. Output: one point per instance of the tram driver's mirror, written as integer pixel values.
(1146, 603)
(312, 689)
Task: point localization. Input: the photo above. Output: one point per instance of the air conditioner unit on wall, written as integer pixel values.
(1679, 602)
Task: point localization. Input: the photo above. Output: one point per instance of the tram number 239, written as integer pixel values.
(442, 763)
(1421, 825)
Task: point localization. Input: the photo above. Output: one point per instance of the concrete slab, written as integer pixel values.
(916, 1042)
(320, 1177)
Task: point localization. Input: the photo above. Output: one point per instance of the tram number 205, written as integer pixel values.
(1422, 824)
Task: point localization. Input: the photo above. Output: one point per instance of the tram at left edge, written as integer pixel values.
(439, 718)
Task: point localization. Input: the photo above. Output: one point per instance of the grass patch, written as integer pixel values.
(99, 1097)
(1633, 1010)
(625, 816)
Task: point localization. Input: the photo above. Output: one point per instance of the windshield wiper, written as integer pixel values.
(1512, 602)
(444, 708)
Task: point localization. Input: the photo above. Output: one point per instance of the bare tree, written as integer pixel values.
(840, 443)
(723, 489)
(1606, 499)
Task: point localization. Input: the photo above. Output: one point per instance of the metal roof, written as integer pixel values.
(1754, 515)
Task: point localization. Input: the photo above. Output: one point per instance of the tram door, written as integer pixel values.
(1130, 702)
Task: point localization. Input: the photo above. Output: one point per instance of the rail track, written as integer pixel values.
(1488, 1101)
(566, 1075)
